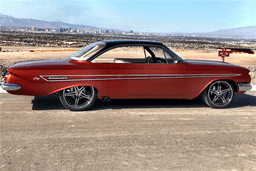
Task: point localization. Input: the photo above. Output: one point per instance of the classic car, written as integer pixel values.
(127, 69)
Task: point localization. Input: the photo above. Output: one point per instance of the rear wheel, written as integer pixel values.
(219, 94)
(78, 98)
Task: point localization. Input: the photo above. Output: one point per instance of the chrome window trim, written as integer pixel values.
(105, 49)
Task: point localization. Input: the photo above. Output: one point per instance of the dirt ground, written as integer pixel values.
(13, 54)
(38, 133)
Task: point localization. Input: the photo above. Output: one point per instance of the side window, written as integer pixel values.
(161, 55)
(158, 52)
(169, 58)
(126, 54)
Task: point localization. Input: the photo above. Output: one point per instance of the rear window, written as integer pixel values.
(88, 51)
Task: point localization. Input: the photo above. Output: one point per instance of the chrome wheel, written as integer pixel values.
(78, 98)
(220, 94)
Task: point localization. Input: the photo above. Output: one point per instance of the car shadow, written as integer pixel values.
(52, 102)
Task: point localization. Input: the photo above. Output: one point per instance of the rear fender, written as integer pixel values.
(74, 85)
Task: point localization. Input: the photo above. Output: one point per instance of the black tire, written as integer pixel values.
(219, 94)
(78, 98)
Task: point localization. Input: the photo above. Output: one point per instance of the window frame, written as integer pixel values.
(163, 47)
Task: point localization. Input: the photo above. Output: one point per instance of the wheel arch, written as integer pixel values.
(70, 98)
(211, 94)
(74, 85)
(232, 82)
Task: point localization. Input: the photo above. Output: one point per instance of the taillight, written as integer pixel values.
(6, 76)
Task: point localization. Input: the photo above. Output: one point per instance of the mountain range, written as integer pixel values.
(10, 21)
(245, 32)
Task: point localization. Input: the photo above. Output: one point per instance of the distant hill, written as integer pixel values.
(10, 21)
(244, 32)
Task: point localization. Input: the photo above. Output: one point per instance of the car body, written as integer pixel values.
(86, 76)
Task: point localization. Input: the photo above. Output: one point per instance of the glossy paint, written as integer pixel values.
(123, 80)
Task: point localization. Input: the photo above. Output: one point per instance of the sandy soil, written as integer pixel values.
(13, 54)
(37, 133)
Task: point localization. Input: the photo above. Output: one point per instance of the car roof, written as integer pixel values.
(131, 42)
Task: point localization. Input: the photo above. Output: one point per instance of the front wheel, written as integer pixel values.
(219, 94)
(78, 98)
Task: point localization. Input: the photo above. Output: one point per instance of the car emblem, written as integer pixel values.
(36, 78)
(57, 78)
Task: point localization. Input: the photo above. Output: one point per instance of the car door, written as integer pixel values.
(156, 80)
(110, 79)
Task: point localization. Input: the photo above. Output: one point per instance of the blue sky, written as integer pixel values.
(153, 16)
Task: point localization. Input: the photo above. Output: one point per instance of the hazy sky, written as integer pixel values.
(155, 16)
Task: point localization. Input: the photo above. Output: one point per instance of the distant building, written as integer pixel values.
(107, 31)
(131, 31)
(33, 29)
(73, 30)
(54, 30)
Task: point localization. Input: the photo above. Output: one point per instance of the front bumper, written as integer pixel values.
(10, 87)
(244, 86)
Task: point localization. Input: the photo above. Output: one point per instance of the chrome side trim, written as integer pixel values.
(10, 87)
(244, 86)
(196, 75)
(128, 77)
(96, 79)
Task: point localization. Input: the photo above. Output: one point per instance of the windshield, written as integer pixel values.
(88, 51)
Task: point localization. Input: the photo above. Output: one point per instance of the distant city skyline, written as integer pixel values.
(152, 16)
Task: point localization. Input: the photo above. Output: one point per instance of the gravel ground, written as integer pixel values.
(253, 74)
(37, 133)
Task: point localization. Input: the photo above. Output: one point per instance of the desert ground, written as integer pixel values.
(13, 54)
(38, 133)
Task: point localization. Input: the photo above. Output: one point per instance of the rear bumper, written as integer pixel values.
(244, 86)
(10, 87)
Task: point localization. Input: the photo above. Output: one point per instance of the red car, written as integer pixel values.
(127, 69)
